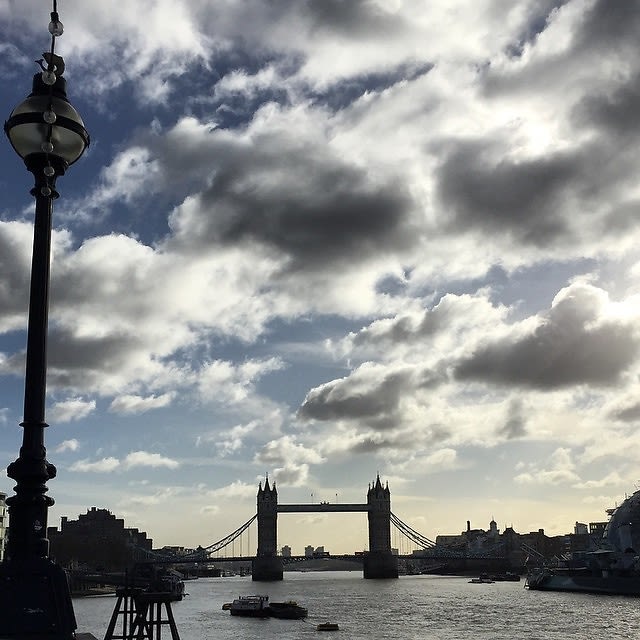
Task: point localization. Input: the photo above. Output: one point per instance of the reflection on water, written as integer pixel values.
(420, 607)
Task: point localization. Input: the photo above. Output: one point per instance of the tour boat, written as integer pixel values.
(250, 606)
(260, 607)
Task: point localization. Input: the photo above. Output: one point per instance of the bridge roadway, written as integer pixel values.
(289, 559)
(286, 559)
(322, 507)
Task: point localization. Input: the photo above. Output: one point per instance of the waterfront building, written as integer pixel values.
(98, 541)
(174, 550)
(522, 548)
(317, 552)
(471, 539)
(596, 529)
(451, 541)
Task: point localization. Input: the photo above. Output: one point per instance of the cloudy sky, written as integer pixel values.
(322, 239)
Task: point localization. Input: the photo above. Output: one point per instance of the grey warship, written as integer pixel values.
(613, 569)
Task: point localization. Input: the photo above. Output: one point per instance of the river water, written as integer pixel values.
(412, 607)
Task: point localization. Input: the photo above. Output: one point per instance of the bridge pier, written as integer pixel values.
(380, 565)
(266, 569)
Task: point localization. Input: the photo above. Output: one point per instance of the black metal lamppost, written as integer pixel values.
(48, 134)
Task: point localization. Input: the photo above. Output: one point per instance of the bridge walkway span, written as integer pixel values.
(323, 508)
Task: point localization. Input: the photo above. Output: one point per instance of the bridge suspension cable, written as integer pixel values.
(412, 534)
(201, 554)
(216, 546)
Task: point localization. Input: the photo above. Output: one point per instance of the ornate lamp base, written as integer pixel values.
(35, 601)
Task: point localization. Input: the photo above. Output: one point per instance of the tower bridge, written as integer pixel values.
(379, 562)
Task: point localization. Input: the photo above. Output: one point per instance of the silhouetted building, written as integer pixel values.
(98, 541)
(523, 549)
(471, 540)
(286, 551)
(580, 528)
(175, 550)
(596, 529)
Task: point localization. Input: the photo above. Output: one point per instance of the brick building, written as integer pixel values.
(97, 541)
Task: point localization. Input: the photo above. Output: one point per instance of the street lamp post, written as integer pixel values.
(48, 133)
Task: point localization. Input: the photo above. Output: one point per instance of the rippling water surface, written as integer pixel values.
(424, 607)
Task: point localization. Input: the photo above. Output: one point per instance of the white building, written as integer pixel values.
(580, 529)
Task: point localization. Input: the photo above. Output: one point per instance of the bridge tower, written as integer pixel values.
(267, 565)
(380, 562)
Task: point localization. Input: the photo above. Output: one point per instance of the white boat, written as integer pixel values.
(250, 606)
(482, 579)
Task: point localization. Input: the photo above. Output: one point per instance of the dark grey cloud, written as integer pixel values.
(430, 435)
(609, 26)
(373, 398)
(79, 362)
(521, 198)
(560, 200)
(14, 270)
(369, 445)
(353, 399)
(515, 425)
(402, 330)
(621, 219)
(570, 347)
(630, 413)
(613, 110)
(67, 351)
(300, 201)
(352, 18)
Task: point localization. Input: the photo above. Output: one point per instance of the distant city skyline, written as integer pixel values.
(326, 240)
(326, 525)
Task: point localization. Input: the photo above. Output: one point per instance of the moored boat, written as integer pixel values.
(583, 581)
(250, 606)
(482, 579)
(289, 610)
(509, 576)
(170, 581)
(612, 569)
